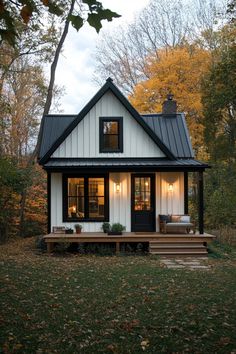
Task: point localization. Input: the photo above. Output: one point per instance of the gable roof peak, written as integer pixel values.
(109, 79)
(109, 85)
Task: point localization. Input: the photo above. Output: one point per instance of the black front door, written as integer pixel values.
(143, 203)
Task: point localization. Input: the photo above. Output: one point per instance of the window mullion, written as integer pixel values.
(86, 198)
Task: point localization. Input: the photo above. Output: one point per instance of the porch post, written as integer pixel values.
(185, 192)
(49, 201)
(200, 202)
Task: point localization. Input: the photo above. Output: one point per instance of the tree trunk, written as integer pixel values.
(46, 110)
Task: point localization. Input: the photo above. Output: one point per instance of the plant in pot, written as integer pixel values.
(69, 230)
(78, 228)
(106, 227)
(116, 229)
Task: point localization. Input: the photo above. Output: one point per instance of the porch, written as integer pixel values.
(159, 244)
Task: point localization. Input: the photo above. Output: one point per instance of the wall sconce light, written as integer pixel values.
(170, 187)
(117, 187)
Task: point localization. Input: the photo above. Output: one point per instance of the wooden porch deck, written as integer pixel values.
(160, 244)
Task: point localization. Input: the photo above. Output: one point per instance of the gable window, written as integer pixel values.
(85, 198)
(111, 134)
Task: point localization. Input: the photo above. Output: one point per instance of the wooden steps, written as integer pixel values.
(178, 248)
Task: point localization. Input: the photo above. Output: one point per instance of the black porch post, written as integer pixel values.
(49, 201)
(185, 192)
(200, 202)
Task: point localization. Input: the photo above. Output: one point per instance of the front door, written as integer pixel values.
(143, 203)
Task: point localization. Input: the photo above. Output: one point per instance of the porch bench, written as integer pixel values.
(176, 224)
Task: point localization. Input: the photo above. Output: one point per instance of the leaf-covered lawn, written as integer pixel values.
(91, 304)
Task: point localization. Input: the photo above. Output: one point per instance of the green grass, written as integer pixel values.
(216, 249)
(89, 304)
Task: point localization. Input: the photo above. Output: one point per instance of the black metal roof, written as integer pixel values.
(127, 164)
(53, 126)
(108, 86)
(169, 132)
(172, 130)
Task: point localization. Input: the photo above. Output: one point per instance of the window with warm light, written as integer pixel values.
(85, 198)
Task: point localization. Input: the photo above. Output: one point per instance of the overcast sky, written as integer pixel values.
(76, 65)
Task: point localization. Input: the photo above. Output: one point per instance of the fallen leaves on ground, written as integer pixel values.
(91, 304)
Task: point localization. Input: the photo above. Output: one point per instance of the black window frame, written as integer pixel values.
(86, 197)
(120, 134)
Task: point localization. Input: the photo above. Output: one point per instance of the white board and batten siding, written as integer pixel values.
(83, 141)
(120, 203)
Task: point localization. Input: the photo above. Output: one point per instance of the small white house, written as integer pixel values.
(109, 163)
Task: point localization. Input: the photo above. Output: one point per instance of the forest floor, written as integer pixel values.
(72, 303)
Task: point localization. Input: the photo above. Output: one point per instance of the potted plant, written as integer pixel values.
(78, 228)
(116, 229)
(106, 227)
(69, 230)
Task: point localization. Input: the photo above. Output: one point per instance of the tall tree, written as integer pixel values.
(219, 101)
(24, 93)
(178, 71)
(162, 24)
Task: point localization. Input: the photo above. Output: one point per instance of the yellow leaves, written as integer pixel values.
(179, 71)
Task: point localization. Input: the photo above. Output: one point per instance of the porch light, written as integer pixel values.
(170, 187)
(73, 209)
(117, 187)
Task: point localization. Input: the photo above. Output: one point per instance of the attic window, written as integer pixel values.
(111, 134)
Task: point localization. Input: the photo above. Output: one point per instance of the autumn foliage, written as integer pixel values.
(178, 71)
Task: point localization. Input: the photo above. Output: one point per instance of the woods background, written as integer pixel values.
(188, 49)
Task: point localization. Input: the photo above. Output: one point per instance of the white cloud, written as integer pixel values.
(76, 64)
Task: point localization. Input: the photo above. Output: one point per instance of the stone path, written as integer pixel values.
(186, 263)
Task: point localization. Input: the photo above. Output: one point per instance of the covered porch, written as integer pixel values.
(122, 201)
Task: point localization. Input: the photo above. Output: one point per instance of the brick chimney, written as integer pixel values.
(169, 106)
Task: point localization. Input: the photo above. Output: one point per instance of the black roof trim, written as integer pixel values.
(107, 86)
(124, 164)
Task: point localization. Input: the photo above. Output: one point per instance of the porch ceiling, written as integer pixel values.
(125, 164)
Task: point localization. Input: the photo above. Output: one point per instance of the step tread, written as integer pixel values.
(177, 246)
(176, 241)
(179, 253)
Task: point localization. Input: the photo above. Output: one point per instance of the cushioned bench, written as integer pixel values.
(176, 224)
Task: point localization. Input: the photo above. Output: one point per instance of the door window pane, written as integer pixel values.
(142, 196)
